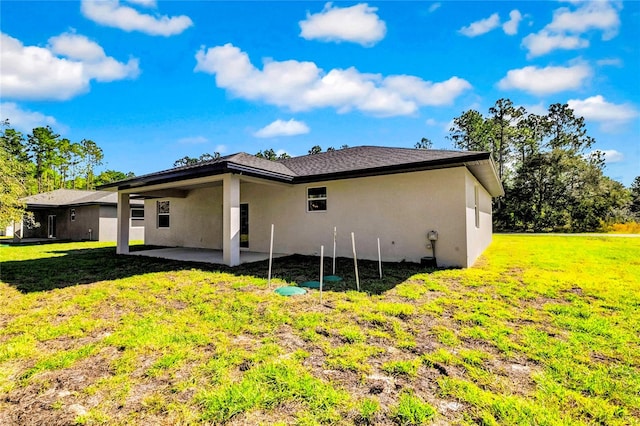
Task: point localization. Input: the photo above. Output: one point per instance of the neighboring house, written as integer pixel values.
(69, 214)
(395, 194)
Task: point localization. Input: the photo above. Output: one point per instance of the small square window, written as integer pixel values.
(73, 215)
(317, 199)
(163, 214)
(137, 217)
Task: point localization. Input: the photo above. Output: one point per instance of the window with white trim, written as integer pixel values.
(317, 199)
(137, 216)
(163, 214)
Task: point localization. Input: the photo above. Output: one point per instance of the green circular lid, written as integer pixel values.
(310, 284)
(332, 278)
(290, 291)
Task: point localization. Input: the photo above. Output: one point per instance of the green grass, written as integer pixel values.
(543, 330)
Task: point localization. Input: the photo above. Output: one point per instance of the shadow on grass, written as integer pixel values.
(85, 266)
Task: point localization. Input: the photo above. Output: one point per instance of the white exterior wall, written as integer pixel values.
(478, 237)
(194, 221)
(399, 209)
(108, 229)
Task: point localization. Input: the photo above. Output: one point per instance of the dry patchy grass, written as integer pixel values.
(543, 330)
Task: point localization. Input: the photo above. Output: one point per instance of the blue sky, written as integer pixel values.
(152, 81)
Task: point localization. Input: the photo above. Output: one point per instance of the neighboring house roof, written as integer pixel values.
(338, 164)
(72, 198)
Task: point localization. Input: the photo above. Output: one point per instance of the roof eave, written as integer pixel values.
(196, 172)
(401, 168)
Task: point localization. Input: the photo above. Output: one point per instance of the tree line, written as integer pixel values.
(44, 161)
(552, 179)
(51, 162)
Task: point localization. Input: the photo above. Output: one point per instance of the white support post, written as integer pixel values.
(321, 270)
(379, 259)
(335, 233)
(231, 220)
(270, 257)
(122, 237)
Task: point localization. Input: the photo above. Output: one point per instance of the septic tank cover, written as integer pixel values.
(290, 291)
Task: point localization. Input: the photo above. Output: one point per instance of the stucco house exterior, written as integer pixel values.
(395, 194)
(70, 214)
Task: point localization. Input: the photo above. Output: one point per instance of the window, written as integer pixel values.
(317, 199)
(163, 214)
(73, 215)
(137, 217)
(476, 200)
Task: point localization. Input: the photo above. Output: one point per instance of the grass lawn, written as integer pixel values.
(544, 330)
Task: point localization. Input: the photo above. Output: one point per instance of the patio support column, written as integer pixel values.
(123, 224)
(231, 220)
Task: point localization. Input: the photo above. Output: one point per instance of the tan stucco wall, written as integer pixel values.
(399, 209)
(478, 238)
(109, 226)
(87, 217)
(195, 221)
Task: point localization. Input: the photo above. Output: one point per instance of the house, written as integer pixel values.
(69, 214)
(395, 194)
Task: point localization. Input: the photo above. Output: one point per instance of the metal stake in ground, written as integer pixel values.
(379, 259)
(355, 260)
(335, 230)
(321, 270)
(270, 257)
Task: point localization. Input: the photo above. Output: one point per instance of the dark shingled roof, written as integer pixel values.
(339, 164)
(362, 159)
(71, 197)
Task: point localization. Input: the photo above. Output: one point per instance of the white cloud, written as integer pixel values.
(111, 13)
(193, 140)
(480, 27)
(434, 7)
(282, 128)
(431, 122)
(614, 62)
(567, 27)
(143, 3)
(543, 42)
(543, 81)
(596, 108)
(303, 86)
(591, 15)
(511, 26)
(538, 109)
(220, 148)
(426, 92)
(612, 156)
(59, 71)
(358, 24)
(24, 120)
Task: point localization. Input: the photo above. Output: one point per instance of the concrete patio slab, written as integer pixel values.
(189, 254)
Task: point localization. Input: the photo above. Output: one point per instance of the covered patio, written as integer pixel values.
(202, 255)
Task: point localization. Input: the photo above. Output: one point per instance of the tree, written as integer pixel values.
(549, 180)
(43, 144)
(270, 154)
(92, 155)
(316, 149)
(425, 143)
(13, 175)
(469, 132)
(635, 198)
(109, 176)
(191, 161)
